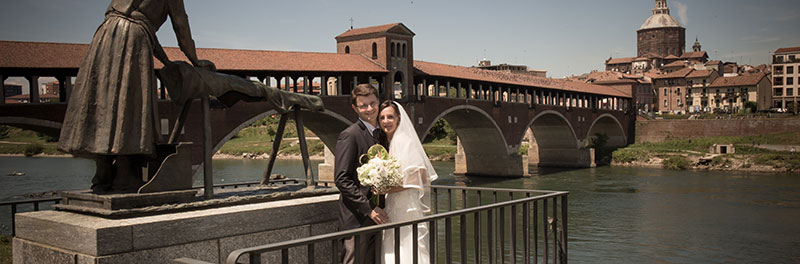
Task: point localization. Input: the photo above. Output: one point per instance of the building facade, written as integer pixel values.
(785, 78)
(698, 98)
(731, 93)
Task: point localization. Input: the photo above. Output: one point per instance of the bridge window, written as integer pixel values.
(374, 50)
(397, 87)
(347, 49)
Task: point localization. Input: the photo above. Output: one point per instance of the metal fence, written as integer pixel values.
(490, 225)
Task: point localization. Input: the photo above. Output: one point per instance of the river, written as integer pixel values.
(616, 214)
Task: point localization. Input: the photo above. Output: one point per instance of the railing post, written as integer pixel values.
(544, 229)
(255, 258)
(448, 241)
(502, 233)
(564, 227)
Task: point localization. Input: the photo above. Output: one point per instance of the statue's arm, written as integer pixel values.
(180, 24)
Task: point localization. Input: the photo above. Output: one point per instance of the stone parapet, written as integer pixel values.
(662, 130)
(206, 235)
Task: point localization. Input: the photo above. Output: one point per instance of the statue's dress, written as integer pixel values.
(112, 107)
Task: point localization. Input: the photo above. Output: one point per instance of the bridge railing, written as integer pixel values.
(468, 225)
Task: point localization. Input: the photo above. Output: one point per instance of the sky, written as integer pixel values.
(568, 37)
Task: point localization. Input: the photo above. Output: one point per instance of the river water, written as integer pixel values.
(616, 214)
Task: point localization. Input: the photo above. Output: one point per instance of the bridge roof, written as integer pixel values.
(20, 54)
(476, 74)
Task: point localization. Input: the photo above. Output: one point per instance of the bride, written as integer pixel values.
(412, 199)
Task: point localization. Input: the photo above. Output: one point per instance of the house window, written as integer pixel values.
(777, 80)
(665, 103)
(404, 50)
(374, 50)
(789, 80)
(393, 47)
(347, 49)
(666, 91)
(679, 102)
(678, 91)
(778, 69)
(789, 69)
(789, 92)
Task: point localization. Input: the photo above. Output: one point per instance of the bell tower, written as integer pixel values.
(696, 46)
(661, 7)
(388, 45)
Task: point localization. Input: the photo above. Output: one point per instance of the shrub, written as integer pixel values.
(523, 149)
(720, 161)
(627, 155)
(4, 131)
(33, 149)
(675, 163)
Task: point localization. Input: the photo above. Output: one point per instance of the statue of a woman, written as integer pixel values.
(112, 115)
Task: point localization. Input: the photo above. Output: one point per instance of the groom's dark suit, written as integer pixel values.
(354, 204)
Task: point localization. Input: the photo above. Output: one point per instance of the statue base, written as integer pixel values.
(120, 204)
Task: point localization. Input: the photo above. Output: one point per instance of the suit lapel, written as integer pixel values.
(367, 136)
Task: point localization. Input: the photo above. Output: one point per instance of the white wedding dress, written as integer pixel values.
(413, 202)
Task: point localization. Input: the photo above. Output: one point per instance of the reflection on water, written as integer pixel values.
(616, 215)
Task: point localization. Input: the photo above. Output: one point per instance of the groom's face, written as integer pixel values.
(367, 108)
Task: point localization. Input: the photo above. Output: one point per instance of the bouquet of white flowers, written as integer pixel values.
(381, 171)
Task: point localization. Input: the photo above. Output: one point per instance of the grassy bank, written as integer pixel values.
(694, 153)
(19, 141)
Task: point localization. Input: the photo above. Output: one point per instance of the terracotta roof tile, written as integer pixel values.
(620, 60)
(675, 64)
(700, 73)
(682, 73)
(17, 54)
(792, 49)
(671, 57)
(714, 62)
(476, 74)
(694, 54)
(742, 80)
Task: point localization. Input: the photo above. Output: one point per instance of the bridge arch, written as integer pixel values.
(326, 125)
(482, 148)
(555, 142)
(609, 125)
(47, 127)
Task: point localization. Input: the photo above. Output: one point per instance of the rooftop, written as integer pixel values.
(787, 50)
(477, 74)
(741, 80)
(660, 21)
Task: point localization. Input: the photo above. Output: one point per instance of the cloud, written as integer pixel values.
(683, 12)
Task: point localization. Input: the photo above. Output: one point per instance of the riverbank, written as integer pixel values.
(764, 153)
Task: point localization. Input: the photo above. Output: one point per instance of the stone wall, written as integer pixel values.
(207, 235)
(661, 130)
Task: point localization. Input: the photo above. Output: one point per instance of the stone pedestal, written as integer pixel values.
(326, 168)
(206, 235)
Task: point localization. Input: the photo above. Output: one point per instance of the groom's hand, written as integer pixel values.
(378, 216)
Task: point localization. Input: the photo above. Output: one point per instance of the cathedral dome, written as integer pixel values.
(660, 21)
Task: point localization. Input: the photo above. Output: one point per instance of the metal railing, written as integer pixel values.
(491, 226)
(15, 204)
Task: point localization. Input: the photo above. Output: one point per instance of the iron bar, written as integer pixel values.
(535, 231)
(490, 236)
(415, 243)
(255, 258)
(301, 136)
(477, 236)
(434, 236)
(513, 234)
(356, 242)
(276, 144)
(284, 256)
(544, 229)
(397, 245)
(13, 225)
(208, 177)
(310, 253)
(502, 233)
(448, 242)
(555, 231)
(564, 227)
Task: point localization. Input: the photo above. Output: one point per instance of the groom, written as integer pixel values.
(355, 209)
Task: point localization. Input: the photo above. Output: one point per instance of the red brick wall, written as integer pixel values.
(661, 130)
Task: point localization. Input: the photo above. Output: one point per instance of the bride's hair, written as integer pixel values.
(390, 103)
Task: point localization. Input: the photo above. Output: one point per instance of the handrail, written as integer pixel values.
(307, 241)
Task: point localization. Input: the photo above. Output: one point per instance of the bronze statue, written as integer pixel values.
(112, 112)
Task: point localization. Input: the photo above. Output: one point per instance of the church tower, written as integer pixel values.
(661, 35)
(696, 47)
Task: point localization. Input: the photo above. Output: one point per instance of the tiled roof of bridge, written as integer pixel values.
(17, 54)
(472, 73)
